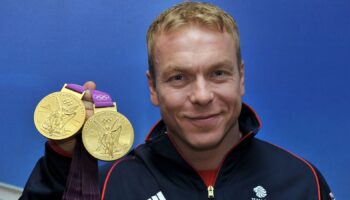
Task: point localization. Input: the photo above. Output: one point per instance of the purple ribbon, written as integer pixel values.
(82, 183)
(78, 88)
(82, 180)
(101, 99)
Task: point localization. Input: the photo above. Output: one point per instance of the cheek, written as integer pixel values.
(228, 93)
(169, 91)
(172, 99)
(229, 100)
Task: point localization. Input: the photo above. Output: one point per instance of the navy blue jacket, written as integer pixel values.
(253, 169)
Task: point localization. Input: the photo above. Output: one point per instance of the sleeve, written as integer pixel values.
(48, 178)
(326, 193)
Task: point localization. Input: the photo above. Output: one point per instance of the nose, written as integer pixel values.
(201, 92)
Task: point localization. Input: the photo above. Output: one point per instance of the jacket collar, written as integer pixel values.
(160, 153)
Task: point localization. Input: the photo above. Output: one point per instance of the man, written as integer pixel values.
(204, 146)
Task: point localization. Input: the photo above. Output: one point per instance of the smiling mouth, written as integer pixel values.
(202, 117)
(203, 120)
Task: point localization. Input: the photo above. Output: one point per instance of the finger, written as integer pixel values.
(89, 113)
(88, 105)
(90, 85)
(87, 96)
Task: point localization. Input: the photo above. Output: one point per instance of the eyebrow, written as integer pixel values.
(222, 64)
(178, 68)
(172, 68)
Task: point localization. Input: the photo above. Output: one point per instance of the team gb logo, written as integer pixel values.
(260, 191)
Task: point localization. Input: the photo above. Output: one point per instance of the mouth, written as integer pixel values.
(203, 120)
(202, 117)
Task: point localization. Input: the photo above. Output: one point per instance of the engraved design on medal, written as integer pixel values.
(59, 115)
(108, 139)
(108, 135)
(57, 119)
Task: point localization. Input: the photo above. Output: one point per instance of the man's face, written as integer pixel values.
(199, 86)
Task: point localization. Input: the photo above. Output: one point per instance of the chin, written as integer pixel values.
(204, 145)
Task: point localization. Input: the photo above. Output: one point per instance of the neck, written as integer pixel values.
(207, 159)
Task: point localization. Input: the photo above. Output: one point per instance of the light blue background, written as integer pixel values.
(296, 56)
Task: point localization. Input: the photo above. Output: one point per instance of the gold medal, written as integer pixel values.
(60, 115)
(107, 135)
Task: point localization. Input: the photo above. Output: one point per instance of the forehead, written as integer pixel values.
(190, 29)
(194, 45)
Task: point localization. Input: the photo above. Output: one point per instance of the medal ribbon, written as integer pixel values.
(77, 88)
(101, 99)
(82, 180)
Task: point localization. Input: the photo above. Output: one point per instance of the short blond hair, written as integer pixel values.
(191, 13)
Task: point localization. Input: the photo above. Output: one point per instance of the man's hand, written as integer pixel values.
(87, 99)
(69, 143)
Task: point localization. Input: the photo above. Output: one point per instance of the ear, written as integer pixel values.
(152, 89)
(241, 81)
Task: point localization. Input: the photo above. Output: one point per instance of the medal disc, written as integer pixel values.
(108, 135)
(59, 115)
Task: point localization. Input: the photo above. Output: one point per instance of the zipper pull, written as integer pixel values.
(210, 192)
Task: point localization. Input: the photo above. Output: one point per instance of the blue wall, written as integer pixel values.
(296, 56)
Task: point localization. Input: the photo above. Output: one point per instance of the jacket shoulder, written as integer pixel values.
(286, 168)
(127, 175)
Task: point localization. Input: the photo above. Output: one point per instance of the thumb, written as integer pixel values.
(90, 85)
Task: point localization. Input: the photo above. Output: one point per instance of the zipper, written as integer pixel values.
(211, 186)
(211, 192)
